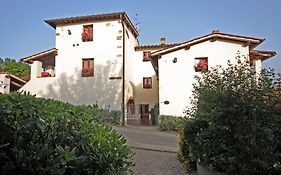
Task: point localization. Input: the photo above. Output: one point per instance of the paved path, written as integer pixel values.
(155, 151)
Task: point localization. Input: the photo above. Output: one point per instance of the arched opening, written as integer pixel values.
(131, 106)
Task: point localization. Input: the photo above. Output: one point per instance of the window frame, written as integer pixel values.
(147, 82)
(87, 36)
(90, 70)
(146, 56)
(201, 66)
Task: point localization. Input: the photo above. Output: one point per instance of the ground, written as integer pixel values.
(155, 151)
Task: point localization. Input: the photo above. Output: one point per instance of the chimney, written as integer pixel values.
(162, 41)
(216, 31)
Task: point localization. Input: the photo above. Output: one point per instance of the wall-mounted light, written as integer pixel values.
(69, 32)
(175, 60)
(166, 102)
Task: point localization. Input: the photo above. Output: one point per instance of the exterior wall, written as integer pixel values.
(4, 84)
(68, 85)
(130, 43)
(257, 68)
(176, 79)
(136, 70)
(36, 69)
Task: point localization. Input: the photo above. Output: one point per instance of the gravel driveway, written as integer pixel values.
(155, 151)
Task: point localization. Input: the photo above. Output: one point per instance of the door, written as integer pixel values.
(144, 114)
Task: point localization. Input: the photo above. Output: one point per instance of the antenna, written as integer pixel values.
(137, 22)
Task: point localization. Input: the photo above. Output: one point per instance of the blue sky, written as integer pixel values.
(23, 31)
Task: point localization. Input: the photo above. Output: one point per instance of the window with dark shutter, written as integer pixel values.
(88, 67)
(147, 82)
(87, 34)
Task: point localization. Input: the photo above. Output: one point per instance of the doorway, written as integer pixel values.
(144, 114)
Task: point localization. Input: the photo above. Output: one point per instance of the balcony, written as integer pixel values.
(42, 64)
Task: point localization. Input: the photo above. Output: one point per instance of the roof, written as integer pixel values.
(16, 82)
(44, 54)
(91, 18)
(250, 41)
(155, 46)
(262, 55)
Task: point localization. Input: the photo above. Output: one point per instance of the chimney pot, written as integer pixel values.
(216, 31)
(162, 41)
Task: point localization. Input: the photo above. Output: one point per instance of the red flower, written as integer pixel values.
(147, 85)
(202, 65)
(85, 35)
(45, 74)
(85, 70)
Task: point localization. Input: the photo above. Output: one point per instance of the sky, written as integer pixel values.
(24, 32)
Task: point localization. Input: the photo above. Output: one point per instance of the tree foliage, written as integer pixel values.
(47, 137)
(14, 67)
(234, 122)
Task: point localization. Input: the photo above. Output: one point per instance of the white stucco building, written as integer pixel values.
(10, 82)
(98, 60)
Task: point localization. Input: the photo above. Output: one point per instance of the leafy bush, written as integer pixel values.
(113, 117)
(41, 136)
(235, 122)
(169, 123)
(154, 112)
(16, 68)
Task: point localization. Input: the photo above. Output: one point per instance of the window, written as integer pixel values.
(131, 107)
(147, 82)
(87, 34)
(201, 64)
(88, 67)
(146, 56)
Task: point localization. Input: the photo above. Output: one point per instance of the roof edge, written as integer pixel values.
(87, 18)
(251, 41)
(30, 58)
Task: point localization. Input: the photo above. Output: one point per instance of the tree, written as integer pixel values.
(234, 122)
(14, 67)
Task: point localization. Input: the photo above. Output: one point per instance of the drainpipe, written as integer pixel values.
(123, 72)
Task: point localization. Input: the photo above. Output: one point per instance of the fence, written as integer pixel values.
(137, 114)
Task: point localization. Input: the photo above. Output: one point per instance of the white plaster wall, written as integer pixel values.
(130, 43)
(4, 84)
(68, 85)
(176, 79)
(142, 69)
(135, 70)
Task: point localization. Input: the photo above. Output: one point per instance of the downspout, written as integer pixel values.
(123, 73)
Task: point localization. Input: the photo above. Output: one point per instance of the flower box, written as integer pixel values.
(147, 86)
(45, 74)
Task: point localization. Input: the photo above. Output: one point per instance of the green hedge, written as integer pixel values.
(170, 123)
(235, 122)
(41, 136)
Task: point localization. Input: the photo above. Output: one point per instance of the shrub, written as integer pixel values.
(113, 117)
(154, 112)
(41, 136)
(170, 123)
(235, 122)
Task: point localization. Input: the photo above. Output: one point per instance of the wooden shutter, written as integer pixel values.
(87, 67)
(90, 32)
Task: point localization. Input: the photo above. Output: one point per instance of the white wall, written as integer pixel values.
(68, 85)
(176, 79)
(4, 84)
